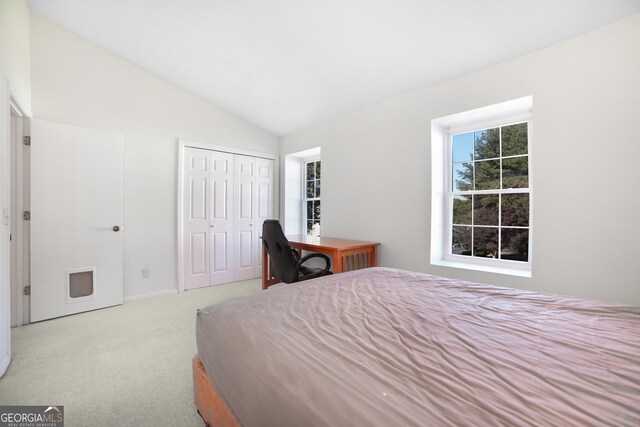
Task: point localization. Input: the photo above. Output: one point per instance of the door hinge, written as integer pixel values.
(26, 215)
(27, 290)
(26, 140)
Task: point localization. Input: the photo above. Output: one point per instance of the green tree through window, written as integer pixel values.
(313, 172)
(490, 196)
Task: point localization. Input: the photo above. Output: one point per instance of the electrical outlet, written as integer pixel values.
(145, 273)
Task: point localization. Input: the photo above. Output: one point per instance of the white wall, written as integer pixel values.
(586, 103)
(15, 61)
(77, 82)
(292, 195)
(15, 79)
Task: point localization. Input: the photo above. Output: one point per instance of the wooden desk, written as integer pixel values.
(346, 255)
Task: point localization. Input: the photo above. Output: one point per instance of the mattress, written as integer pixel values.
(384, 347)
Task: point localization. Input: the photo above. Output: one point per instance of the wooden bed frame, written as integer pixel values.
(211, 406)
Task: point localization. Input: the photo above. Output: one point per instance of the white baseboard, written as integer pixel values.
(4, 364)
(133, 298)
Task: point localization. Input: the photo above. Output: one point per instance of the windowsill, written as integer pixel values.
(485, 268)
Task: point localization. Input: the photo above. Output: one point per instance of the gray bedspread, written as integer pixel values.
(383, 347)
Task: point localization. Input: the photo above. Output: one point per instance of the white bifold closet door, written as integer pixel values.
(208, 217)
(227, 197)
(253, 204)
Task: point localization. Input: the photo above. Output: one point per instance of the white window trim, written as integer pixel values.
(304, 198)
(510, 112)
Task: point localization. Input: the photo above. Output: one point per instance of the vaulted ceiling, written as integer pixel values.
(285, 64)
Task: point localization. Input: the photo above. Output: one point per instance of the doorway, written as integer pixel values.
(19, 204)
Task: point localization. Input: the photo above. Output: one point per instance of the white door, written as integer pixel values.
(226, 198)
(253, 204)
(76, 219)
(221, 225)
(207, 215)
(263, 207)
(196, 213)
(244, 230)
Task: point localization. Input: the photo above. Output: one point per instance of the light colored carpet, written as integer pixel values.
(128, 365)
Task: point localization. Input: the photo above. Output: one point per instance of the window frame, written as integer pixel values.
(500, 265)
(305, 199)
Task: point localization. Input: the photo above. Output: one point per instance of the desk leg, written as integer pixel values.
(337, 261)
(265, 268)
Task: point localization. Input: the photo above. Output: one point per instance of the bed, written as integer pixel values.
(385, 347)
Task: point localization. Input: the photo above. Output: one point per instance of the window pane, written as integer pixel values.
(485, 209)
(488, 175)
(515, 244)
(462, 147)
(311, 171)
(317, 188)
(462, 176)
(316, 209)
(485, 242)
(487, 144)
(461, 241)
(514, 140)
(310, 189)
(318, 170)
(515, 210)
(462, 210)
(310, 209)
(309, 227)
(515, 172)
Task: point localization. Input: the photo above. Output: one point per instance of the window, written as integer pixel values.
(294, 216)
(489, 197)
(484, 195)
(311, 205)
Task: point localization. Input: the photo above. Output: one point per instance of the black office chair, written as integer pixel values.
(286, 264)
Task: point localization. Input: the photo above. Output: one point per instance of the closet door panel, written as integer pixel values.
(198, 250)
(197, 171)
(245, 194)
(245, 228)
(221, 224)
(263, 206)
(220, 249)
(246, 257)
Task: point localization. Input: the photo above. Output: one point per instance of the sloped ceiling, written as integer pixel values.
(285, 64)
